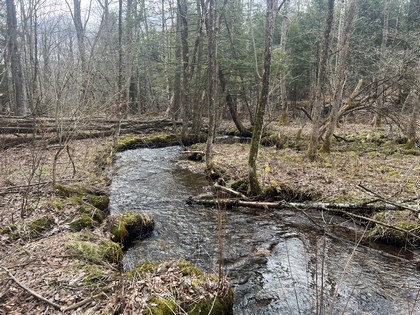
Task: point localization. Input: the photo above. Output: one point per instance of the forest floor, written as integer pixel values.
(42, 260)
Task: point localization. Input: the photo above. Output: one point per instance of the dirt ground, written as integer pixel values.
(42, 263)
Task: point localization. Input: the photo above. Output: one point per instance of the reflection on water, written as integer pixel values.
(274, 260)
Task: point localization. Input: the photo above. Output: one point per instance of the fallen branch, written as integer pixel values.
(383, 199)
(24, 287)
(331, 207)
(230, 191)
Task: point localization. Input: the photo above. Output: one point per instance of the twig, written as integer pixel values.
(86, 301)
(381, 198)
(31, 291)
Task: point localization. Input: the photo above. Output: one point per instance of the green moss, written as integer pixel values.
(141, 269)
(131, 225)
(99, 201)
(97, 253)
(68, 191)
(240, 185)
(82, 195)
(214, 306)
(401, 219)
(84, 221)
(39, 226)
(135, 141)
(278, 192)
(58, 204)
(92, 212)
(8, 229)
(188, 269)
(160, 306)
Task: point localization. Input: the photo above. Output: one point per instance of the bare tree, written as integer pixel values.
(271, 14)
(15, 60)
(380, 90)
(320, 85)
(339, 79)
(283, 40)
(212, 86)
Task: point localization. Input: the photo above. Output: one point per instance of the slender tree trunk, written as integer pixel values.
(182, 12)
(80, 33)
(212, 86)
(283, 40)
(232, 106)
(254, 185)
(320, 86)
(16, 63)
(339, 78)
(412, 124)
(380, 90)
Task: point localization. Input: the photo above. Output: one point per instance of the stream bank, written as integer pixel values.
(277, 262)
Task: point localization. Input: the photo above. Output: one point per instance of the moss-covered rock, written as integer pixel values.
(92, 212)
(41, 225)
(405, 220)
(189, 269)
(84, 221)
(83, 195)
(214, 306)
(99, 201)
(160, 306)
(98, 253)
(131, 225)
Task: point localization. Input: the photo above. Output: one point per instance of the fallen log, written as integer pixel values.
(230, 202)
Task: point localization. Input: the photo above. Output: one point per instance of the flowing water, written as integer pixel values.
(277, 262)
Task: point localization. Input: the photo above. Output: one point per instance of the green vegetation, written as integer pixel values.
(160, 306)
(141, 269)
(131, 225)
(97, 253)
(400, 219)
(82, 222)
(135, 141)
(41, 225)
(214, 306)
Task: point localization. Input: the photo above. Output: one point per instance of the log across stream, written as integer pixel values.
(278, 262)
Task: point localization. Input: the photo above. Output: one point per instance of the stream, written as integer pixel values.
(277, 262)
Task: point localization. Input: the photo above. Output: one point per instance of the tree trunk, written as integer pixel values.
(16, 63)
(283, 40)
(339, 79)
(212, 88)
(320, 86)
(232, 106)
(254, 185)
(380, 90)
(184, 97)
(412, 125)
